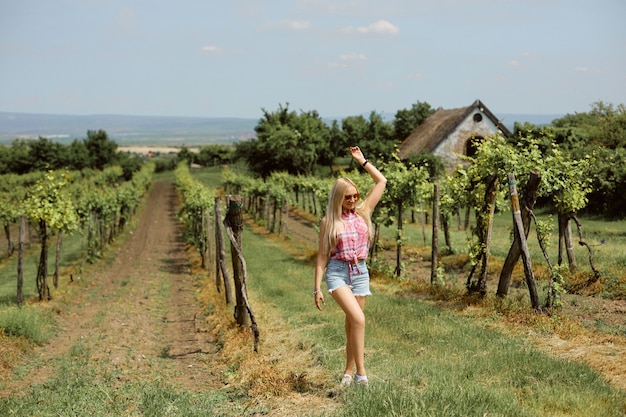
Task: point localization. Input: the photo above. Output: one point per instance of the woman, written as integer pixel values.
(345, 235)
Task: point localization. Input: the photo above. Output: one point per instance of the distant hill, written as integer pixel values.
(167, 131)
(126, 130)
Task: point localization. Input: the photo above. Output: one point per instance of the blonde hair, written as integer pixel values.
(334, 210)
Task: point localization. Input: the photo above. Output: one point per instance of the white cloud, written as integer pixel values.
(514, 63)
(380, 27)
(581, 69)
(347, 61)
(298, 24)
(353, 56)
(211, 49)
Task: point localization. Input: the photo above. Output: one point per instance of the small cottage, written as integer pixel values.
(453, 132)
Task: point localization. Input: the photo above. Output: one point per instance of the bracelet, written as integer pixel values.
(365, 163)
(317, 292)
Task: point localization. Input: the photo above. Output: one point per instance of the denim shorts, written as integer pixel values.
(355, 276)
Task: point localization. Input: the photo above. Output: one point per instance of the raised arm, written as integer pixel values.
(380, 182)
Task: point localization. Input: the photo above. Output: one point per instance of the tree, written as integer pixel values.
(286, 141)
(374, 136)
(338, 145)
(45, 154)
(212, 155)
(77, 156)
(184, 154)
(102, 150)
(607, 195)
(407, 120)
(18, 161)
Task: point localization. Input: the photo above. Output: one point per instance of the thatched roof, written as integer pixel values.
(437, 127)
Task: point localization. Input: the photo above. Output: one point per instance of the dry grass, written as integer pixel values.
(284, 377)
(13, 350)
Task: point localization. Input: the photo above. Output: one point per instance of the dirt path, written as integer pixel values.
(139, 311)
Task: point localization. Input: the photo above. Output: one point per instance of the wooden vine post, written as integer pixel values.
(220, 255)
(435, 238)
(527, 205)
(234, 221)
(234, 228)
(20, 260)
(521, 236)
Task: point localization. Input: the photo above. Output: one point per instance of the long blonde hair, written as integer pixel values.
(334, 210)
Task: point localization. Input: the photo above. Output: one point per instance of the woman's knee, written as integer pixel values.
(357, 320)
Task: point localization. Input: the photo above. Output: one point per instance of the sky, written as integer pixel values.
(237, 58)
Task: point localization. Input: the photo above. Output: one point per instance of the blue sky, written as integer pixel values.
(235, 58)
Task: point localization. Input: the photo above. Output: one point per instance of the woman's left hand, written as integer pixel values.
(319, 300)
(357, 154)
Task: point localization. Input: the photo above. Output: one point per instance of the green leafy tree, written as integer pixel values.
(102, 150)
(374, 136)
(215, 155)
(77, 156)
(45, 154)
(286, 141)
(407, 120)
(184, 154)
(607, 195)
(18, 160)
(338, 145)
(601, 132)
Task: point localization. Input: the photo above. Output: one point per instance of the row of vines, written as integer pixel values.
(56, 203)
(481, 186)
(200, 209)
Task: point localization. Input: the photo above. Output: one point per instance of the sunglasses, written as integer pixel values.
(352, 196)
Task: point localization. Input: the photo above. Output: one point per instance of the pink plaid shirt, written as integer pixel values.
(353, 243)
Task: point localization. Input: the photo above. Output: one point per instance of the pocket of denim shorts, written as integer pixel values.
(335, 267)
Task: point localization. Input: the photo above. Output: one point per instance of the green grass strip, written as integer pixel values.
(80, 389)
(423, 361)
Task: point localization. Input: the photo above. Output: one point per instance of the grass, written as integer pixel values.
(80, 389)
(607, 240)
(28, 322)
(73, 255)
(211, 177)
(425, 361)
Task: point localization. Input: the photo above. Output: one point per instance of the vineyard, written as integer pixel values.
(284, 210)
(469, 198)
(97, 203)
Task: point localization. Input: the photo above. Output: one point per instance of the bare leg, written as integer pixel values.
(355, 328)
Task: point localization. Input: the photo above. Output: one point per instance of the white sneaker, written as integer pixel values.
(362, 380)
(346, 380)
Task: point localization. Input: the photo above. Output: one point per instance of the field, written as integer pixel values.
(143, 332)
(146, 150)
